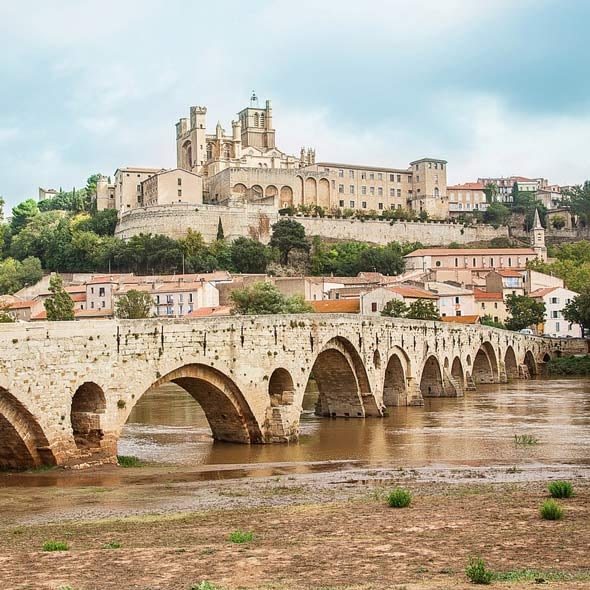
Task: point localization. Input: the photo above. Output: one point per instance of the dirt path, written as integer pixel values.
(310, 532)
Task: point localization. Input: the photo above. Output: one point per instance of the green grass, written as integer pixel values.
(477, 572)
(569, 365)
(55, 546)
(551, 510)
(561, 489)
(399, 498)
(539, 577)
(241, 536)
(112, 545)
(525, 439)
(204, 586)
(126, 461)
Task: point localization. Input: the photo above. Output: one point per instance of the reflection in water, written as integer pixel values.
(168, 426)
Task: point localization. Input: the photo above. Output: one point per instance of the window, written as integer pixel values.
(363, 190)
(399, 193)
(380, 191)
(139, 188)
(554, 314)
(180, 298)
(180, 182)
(371, 176)
(92, 290)
(510, 262)
(103, 304)
(557, 326)
(169, 310)
(157, 300)
(340, 188)
(373, 306)
(92, 305)
(417, 179)
(437, 263)
(380, 205)
(483, 305)
(392, 192)
(101, 292)
(340, 173)
(352, 189)
(180, 192)
(456, 262)
(364, 204)
(458, 313)
(456, 300)
(190, 298)
(352, 204)
(473, 262)
(341, 203)
(363, 175)
(351, 173)
(379, 176)
(169, 299)
(554, 300)
(399, 177)
(372, 190)
(391, 177)
(491, 262)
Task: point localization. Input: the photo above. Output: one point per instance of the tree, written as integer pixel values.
(395, 308)
(102, 223)
(59, 305)
(2, 203)
(577, 311)
(220, 235)
(22, 214)
(487, 320)
(491, 192)
(249, 256)
(558, 222)
(14, 275)
(496, 214)
(524, 312)
(5, 317)
(265, 298)
(578, 199)
(134, 305)
(423, 309)
(287, 235)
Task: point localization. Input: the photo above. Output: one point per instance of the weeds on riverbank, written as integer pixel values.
(127, 461)
(569, 365)
(525, 439)
(204, 585)
(561, 489)
(477, 572)
(241, 536)
(112, 545)
(551, 510)
(55, 546)
(399, 498)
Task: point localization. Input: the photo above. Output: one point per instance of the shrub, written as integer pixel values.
(399, 498)
(125, 461)
(525, 439)
(551, 510)
(112, 545)
(561, 489)
(55, 546)
(204, 586)
(476, 571)
(241, 536)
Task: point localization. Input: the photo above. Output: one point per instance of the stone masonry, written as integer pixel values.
(67, 388)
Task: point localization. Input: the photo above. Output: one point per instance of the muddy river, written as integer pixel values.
(168, 426)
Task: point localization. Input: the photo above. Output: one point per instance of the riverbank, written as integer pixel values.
(569, 366)
(310, 530)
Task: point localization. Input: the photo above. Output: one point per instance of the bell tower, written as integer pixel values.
(256, 125)
(538, 238)
(190, 141)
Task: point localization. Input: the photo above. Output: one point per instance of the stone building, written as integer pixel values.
(466, 198)
(172, 186)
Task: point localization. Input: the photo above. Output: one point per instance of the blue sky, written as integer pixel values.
(493, 86)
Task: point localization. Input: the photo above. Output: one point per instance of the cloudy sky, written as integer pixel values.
(496, 87)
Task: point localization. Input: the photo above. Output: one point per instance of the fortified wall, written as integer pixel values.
(256, 221)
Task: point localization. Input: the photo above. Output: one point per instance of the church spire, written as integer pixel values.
(538, 238)
(537, 221)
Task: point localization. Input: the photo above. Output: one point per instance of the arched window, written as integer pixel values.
(226, 151)
(262, 119)
(436, 192)
(255, 119)
(209, 151)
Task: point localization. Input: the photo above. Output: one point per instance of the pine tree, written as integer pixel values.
(59, 304)
(220, 235)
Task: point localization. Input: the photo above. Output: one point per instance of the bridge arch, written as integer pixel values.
(530, 362)
(394, 380)
(431, 381)
(510, 363)
(485, 365)
(280, 387)
(458, 374)
(227, 411)
(342, 381)
(22, 441)
(88, 404)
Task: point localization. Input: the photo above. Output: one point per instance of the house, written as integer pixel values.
(506, 281)
(373, 301)
(555, 299)
(453, 301)
(336, 306)
(490, 304)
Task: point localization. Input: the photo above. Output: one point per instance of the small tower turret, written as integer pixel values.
(538, 238)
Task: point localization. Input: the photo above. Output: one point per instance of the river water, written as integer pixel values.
(168, 426)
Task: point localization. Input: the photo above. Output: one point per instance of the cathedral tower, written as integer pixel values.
(256, 124)
(190, 141)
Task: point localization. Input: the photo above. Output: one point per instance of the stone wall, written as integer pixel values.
(256, 221)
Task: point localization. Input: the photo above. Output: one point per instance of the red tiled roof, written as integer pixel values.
(21, 304)
(78, 297)
(507, 272)
(336, 306)
(471, 252)
(408, 291)
(469, 186)
(202, 312)
(542, 292)
(486, 296)
(461, 319)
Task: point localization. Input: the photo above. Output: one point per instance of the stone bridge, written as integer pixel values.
(67, 388)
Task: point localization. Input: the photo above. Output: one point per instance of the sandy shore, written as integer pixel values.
(322, 528)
